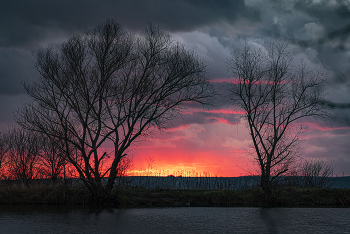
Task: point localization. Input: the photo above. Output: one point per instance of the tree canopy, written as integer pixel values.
(275, 97)
(109, 85)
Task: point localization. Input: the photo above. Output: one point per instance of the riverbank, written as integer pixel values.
(283, 197)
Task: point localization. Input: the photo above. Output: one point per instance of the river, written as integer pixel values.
(62, 219)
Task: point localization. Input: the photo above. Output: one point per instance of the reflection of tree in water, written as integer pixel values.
(268, 219)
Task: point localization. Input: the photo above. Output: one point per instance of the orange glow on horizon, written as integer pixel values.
(216, 149)
(190, 164)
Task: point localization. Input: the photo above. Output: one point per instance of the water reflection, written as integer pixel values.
(63, 219)
(269, 220)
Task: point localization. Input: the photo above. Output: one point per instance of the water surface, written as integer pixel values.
(51, 219)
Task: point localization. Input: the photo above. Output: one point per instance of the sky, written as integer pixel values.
(214, 141)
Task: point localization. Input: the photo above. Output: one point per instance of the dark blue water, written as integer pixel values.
(50, 219)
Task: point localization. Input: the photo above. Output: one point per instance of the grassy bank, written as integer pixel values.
(43, 194)
(61, 194)
(294, 197)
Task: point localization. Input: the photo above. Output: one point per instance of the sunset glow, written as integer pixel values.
(189, 150)
(177, 162)
(212, 139)
(194, 149)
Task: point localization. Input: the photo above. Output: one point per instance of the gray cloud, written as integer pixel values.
(15, 67)
(28, 25)
(28, 22)
(204, 118)
(333, 146)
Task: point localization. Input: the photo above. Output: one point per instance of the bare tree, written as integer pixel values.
(108, 85)
(315, 174)
(4, 147)
(275, 98)
(52, 158)
(23, 154)
(125, 164)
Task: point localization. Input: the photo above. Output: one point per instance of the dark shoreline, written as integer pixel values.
(60, 194)
(283, 197)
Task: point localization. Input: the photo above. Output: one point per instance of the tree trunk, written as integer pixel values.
(100, 194)
(265, 184)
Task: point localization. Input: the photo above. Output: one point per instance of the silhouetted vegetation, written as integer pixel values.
(311, 174)
(192, 183)
(23, 153)
(182, 190)
(4, 147)
(246, 197)
(133, 197)
(275, 97)
(109, 86)
(59, 193)
(52, 159)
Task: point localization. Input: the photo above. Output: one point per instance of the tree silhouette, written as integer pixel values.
(109, 86)
(275, 98)
(52, 158)
(23, 152)
(4, 148)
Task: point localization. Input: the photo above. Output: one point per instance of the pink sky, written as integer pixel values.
(217, 148)
(214, 141)
(218, 145)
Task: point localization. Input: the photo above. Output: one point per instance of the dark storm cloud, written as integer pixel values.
(334, 17)
(25, 26)
(15, 67)
(25, 23)
(325, 11)
(332, 46)
(337, 105)
(321, 26)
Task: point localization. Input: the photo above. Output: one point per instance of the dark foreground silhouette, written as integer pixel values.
(132, 197)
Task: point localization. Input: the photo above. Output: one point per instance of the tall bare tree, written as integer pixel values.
(108, 85)
(275, 97)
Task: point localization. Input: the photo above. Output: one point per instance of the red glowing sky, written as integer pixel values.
(196, 147)
(217, 144)
(214, 141)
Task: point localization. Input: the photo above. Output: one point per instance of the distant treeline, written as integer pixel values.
(139, 197)
(227, 183)
(197, 183)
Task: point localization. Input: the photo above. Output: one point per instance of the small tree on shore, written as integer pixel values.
(52, 158)
(24, 148)
(275, 98)
(315, 174)
(4, 147)
(109, 86)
